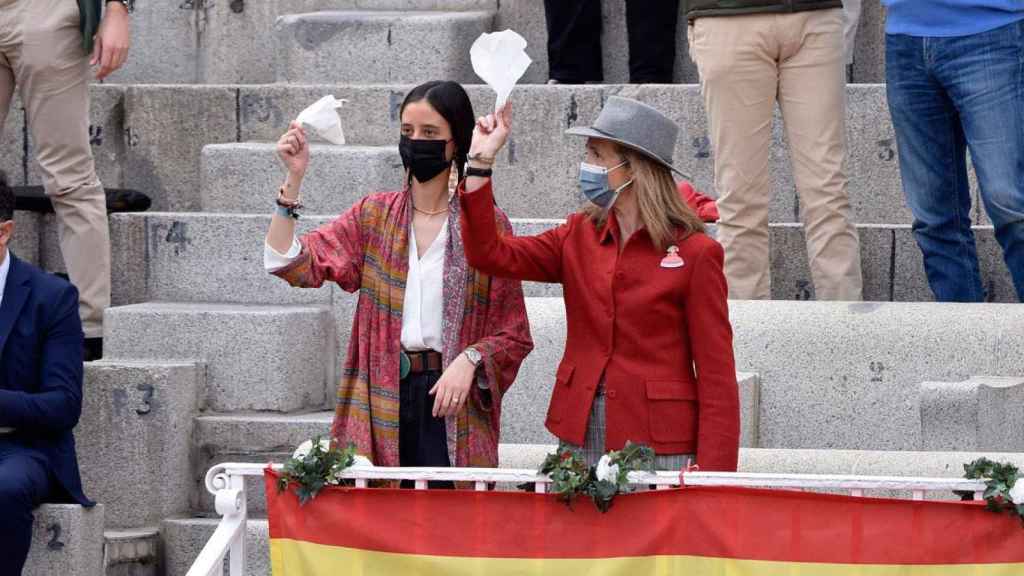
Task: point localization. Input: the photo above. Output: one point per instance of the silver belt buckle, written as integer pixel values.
(6, 430)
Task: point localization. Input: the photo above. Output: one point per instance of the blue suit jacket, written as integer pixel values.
(41, 369)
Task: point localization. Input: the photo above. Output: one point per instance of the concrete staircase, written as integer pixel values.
(209, 359)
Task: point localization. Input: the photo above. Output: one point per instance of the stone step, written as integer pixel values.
(252, 437)
(219, 257)
(201, 257)
(226, 42)
(238, 177)
(234, 175)
(133, 552)
(273, 358)
(836, 375)
(134, 439)
(982, 413)
(377, 47)
(166, 128)
(67, 539)
(184, 538)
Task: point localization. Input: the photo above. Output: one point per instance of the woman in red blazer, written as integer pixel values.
(649, 354)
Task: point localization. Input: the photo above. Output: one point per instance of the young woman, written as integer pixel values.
(435, 344)
(649, 355)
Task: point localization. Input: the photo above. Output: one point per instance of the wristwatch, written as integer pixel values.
(128, 4)
(473, 355)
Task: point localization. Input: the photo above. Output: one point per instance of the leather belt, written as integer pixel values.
(425, 361)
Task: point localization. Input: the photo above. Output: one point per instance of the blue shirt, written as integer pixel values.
(950, 17)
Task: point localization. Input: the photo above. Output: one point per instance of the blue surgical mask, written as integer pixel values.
(594, 184)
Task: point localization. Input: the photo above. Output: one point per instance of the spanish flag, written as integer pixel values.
(698, 530)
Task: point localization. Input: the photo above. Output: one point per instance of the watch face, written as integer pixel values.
(473, 355)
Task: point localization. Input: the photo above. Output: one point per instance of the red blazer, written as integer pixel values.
(660, 336)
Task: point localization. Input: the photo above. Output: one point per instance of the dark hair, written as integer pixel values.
(450, 100)
(6, 199)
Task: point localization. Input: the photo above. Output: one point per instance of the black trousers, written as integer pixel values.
(574, 40)
(25, 481)
(422, 438)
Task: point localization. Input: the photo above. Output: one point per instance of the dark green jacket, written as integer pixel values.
(698, 8)
(92, 11)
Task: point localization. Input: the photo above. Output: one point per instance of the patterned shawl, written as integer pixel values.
(367, 249)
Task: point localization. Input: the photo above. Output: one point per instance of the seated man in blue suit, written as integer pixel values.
(40, 393)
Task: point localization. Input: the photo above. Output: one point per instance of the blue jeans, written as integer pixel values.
(947, 95)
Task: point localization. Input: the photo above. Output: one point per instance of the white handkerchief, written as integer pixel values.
(500, 60)
(322, 117)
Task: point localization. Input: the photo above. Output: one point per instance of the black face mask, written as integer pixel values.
(425, 159)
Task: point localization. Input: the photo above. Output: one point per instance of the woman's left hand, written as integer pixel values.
(452, 390)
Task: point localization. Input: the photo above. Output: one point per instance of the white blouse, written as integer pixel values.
(423, 306)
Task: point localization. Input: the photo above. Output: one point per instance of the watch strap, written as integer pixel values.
(481, 172)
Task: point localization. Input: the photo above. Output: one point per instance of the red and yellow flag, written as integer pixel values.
(714, 531)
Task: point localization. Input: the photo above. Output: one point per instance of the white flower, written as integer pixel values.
(360, 461)
(306, 447)
(1017, 492)
(606, 470)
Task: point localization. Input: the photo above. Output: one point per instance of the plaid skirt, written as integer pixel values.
(593, 446)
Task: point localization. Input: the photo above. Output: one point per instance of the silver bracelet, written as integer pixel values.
(128, 4)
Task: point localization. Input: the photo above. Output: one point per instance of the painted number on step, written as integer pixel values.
(702, 145)
(95, 135)
(877, 368)
(145, 406)
(55, 531)
(886, 152)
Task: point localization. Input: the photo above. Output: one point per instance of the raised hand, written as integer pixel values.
(491, 132)
(293, 150)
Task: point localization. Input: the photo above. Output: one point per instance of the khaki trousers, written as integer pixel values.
(746, 64)
(41, 53)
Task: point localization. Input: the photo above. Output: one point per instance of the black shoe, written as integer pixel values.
(93, 349)
(34, 199)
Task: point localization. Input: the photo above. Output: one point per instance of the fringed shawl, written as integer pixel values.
(367, 249)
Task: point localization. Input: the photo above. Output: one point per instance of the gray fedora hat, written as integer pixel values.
(635, 125)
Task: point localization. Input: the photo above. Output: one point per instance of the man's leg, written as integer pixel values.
(933, 168)
(737, 60)
(652, 40)
(24, 482)
(812, 96)
(7, 41)
(52, 71)
(574, 40)
(984, 76)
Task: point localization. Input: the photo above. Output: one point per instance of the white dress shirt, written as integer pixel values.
(3, 273)
(423, 305)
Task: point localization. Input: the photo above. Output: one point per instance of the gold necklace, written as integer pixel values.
(428, 213)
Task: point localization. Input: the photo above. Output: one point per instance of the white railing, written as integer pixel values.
(226, 483)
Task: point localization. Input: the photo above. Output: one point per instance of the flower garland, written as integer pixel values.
(317, 463)
(571, 477)
(1004, 489)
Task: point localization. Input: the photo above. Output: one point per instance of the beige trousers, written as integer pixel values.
(746, 65)
(41, 53)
